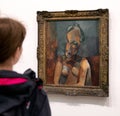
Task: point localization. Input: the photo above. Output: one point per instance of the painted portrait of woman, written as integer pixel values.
(72, 52)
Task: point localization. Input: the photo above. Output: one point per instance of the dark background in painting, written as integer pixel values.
(90, 47)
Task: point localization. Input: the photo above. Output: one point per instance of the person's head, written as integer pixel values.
(12, 34)
(74, 38)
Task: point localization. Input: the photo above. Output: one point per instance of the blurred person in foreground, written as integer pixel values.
(20, 94)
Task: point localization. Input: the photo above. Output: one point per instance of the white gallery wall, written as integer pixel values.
(61, 105)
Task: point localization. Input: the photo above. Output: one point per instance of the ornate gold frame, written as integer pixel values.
(103, 16)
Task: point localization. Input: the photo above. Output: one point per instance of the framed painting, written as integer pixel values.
(73, 51)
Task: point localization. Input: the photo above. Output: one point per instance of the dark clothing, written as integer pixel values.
(22, 96)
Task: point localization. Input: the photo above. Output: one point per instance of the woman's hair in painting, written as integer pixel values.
(77, 26)
(12, 34)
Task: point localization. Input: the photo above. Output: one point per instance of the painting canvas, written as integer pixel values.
(71, 58)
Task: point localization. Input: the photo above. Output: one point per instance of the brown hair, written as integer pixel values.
(12, 34)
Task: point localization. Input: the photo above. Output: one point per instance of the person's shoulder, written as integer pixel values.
(84, 63)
